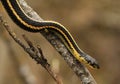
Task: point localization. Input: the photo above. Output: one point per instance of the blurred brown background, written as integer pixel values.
(95, 25)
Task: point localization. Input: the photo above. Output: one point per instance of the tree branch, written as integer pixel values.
(76, 66)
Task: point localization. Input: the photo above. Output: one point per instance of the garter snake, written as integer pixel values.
(17, 14)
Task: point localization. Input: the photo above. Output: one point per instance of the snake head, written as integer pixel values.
(91, 61)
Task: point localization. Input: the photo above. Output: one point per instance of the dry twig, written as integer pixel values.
(34, 52)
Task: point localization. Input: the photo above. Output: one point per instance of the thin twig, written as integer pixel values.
(34, 52)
